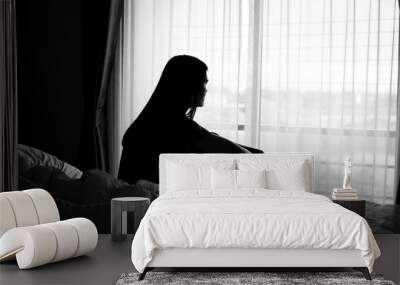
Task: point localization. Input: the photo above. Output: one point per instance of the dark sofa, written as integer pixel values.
(77, 194)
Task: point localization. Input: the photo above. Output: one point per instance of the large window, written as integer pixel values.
(307, 75)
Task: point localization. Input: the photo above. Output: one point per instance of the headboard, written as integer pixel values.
(233, 159)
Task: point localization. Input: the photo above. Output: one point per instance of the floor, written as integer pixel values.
(383, 219)
(388, 264)
(111, 259)
(103, 266)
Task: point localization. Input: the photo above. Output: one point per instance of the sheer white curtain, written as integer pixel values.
(308, 75)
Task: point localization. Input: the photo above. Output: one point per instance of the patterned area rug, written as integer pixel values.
(269, 278)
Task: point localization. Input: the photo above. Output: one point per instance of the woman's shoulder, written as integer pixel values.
(191, 127)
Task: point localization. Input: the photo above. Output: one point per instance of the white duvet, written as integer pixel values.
(250, 219)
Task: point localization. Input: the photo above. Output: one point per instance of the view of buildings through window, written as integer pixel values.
(314, 76)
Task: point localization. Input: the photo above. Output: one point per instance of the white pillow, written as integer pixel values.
(192, 174)
(188, 177)
(236, 179)
(251, 178)
(223, 179)
(293, 179)
(282, 173)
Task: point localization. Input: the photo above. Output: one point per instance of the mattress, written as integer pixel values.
(251, 219)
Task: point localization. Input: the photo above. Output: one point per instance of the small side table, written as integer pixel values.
(357, 206)
(119, 208)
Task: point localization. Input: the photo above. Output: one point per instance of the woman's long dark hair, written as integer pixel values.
(175, 93)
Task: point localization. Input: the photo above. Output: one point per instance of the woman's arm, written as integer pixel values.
(251, 149)
(213, 143)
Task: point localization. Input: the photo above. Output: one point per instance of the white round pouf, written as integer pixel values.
(45, 205)
(7, 216)
(31, 233)
(37, 245)
(32, 246)
(23, 208)
(67, 240)
(87, 233)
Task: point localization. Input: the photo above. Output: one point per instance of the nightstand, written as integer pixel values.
(357, 206)
(119, 208)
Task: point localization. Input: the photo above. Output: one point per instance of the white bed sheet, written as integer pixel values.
(251, 218)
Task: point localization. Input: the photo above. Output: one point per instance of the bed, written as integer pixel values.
(247, 211)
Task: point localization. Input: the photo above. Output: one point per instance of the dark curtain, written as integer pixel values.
(101, 33)
(50, 77)
(8, 96)
(398, 123)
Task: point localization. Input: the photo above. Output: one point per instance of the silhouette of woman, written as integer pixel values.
(166, 123)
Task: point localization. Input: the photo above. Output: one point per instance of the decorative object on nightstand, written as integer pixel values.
(347, 174)
(346, 192)
(119, 208)
(346, 196)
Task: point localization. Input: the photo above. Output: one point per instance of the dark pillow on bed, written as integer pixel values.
(29, 157)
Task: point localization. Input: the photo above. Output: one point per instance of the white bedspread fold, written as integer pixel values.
(250, 219)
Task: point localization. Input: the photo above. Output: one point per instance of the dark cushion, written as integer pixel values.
(29, 157)
(56, 182)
